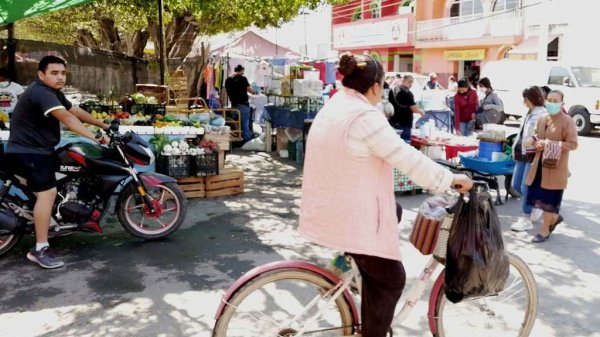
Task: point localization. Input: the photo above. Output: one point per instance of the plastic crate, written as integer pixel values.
(205, 165)
(173, 166)
(503, 167)
(453, 150)
(96, 106)
(149, 109)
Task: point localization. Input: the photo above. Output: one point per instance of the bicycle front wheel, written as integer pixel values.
(511, 313)
(275, 304)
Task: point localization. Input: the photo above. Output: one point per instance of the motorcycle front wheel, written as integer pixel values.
(134, 215)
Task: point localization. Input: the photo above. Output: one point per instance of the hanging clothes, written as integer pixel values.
(218, 75)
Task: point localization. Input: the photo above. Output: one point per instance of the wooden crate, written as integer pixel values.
(229, 182)
(193, 187)
(161, 92)
(224, 141)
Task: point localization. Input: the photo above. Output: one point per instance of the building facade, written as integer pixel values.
(458, 37)
(380, 28)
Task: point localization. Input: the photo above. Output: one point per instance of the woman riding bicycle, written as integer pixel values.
(348, 201)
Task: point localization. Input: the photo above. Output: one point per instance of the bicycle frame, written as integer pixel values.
(343, 288)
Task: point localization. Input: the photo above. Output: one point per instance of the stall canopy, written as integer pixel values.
(13, 10)
(251, 44)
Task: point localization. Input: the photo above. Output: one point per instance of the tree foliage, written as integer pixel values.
(126, 25)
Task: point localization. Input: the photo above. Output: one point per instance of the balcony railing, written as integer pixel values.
(470, 27)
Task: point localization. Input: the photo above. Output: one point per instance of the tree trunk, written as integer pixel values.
(86, 39)
(110, 35)
(136, 42)
(181, 34)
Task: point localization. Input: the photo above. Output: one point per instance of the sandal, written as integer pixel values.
(558, 221)
(538, 238)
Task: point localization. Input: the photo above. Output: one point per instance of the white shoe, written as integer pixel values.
(523, 224)
(536, 214)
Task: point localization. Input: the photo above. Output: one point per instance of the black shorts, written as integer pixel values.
(38, 169)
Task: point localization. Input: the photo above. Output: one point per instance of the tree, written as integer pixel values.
(125, 26)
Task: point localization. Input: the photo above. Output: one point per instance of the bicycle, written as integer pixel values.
(292, 298)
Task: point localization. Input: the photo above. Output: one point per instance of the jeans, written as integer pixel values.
(406, 133)
(245, 111)
(518, 183)
(466, 128)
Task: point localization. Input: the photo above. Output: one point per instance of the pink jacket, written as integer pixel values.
(348, 202)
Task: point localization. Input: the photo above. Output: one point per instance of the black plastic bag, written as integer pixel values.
(476, 263)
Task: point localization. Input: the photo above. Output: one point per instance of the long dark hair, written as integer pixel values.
(485, 82)
(534, 95)
(360, 72)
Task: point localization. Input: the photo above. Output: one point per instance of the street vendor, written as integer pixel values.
(238, 88)
(403, 101)
(348, 201)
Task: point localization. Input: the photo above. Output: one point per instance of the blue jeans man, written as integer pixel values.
(245, 112)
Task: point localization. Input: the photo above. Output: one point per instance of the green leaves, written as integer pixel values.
(130, 16)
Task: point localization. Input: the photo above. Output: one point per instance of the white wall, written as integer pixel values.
(578, 42)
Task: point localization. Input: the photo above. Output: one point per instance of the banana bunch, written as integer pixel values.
(4, 117)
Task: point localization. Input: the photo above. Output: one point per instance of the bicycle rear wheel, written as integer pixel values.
(511, 313)
(273, 305)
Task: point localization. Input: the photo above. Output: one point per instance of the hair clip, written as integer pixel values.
(361, 64)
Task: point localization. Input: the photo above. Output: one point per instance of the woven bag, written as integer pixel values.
(441, 245)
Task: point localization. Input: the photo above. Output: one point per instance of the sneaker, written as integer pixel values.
(524, 224)
(536, 214)
(44, 258)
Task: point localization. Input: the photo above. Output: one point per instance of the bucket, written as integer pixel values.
(487, 148)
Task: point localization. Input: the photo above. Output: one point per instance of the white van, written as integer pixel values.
(579, 83)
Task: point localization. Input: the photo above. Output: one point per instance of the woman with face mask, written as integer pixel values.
(348, 201)
(491, 108)
(523, 154)
(547, 179)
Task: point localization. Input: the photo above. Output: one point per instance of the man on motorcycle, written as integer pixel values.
(35, 131)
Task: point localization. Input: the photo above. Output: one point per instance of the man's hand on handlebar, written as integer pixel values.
(102, 139)
(462, 183)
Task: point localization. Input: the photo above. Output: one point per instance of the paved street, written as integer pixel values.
(115, 285)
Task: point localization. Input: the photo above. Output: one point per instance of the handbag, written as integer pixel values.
(551, 154)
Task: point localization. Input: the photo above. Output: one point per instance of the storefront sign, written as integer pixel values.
(464, 55)
(372, 33)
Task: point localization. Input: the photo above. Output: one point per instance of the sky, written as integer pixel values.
(291, 34)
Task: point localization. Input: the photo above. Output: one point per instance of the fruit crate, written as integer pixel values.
(193, 187)
(149, 109)
(173, 166)
(205, 165)
(97, 107)
(230, 181)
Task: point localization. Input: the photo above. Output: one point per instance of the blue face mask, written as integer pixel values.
(553, 108)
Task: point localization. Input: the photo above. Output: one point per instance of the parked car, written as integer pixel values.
(580, 84)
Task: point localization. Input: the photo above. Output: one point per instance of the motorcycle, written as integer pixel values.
(149, 205)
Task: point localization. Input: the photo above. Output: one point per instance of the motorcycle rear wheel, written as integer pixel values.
(7, 242)
(134, 217)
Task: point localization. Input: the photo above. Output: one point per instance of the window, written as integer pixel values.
(587, 76)
(466, 8)
(505, 5)
(357, 14)
(558, 75)
(375, 8)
